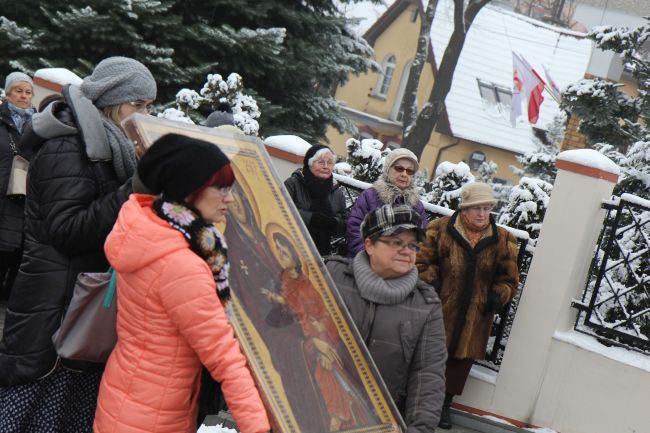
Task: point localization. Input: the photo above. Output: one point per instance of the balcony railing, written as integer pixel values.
(503, 320)
(615, 307)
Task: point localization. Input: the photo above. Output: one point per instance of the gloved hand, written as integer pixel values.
(319, 219)
(493, 302)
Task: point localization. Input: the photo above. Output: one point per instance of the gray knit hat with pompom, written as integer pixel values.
(117, 80)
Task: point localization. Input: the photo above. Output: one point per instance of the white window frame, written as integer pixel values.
(397, 111)
(497, 94)
(384, 80)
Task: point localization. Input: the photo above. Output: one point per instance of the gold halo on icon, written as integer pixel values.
(273, 228)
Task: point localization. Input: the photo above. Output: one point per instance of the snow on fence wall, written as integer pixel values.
(615, 306)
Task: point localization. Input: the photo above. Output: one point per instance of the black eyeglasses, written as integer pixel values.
(400, 169)
(398, 244)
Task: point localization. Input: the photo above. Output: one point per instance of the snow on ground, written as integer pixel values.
(540, 430)
(590, 158)
(619, 354)
(288, 143)
(215, 429)
(484, 374)
(497, 419)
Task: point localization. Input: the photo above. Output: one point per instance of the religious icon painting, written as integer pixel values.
(309, 362)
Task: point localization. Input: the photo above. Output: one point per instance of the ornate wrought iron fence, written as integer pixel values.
(503, 320)
(615, 306)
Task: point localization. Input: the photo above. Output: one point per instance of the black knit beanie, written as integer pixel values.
(177, 166)
(311, 152)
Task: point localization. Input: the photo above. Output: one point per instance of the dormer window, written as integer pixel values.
(495, 98)
(387, 76)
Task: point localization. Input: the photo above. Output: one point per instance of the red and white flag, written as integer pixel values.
(532, 85)
(517, 94)
(553, 88)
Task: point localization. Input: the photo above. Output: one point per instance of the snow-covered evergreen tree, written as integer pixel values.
(616, 124)
(216, 91)
(421, 181)
(610, 118)
(540, 163)
(486, 171)
(447, 183)
(366, 158)
(291, 54)
(527, 205)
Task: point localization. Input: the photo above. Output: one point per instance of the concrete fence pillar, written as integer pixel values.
(557, 275)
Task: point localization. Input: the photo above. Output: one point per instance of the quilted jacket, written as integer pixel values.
(169, 322)
(71, 206)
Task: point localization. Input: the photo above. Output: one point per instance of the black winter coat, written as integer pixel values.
(71, 206)
(295, 184)
(406, 342)
(11, 208)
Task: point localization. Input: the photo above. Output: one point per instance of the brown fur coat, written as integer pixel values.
(464, 276)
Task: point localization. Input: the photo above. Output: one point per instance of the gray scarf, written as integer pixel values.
(20, 115)
(122, 150)
(378, 290)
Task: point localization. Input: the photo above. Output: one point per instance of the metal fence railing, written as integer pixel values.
(503, 320)
(615, 306)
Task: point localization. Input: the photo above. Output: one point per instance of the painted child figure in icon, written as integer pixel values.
(340, 393)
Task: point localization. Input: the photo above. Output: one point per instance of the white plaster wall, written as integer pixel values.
(585, 392)
(283, 167)
(551, 383)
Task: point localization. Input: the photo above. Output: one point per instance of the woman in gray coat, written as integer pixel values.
(398, 316)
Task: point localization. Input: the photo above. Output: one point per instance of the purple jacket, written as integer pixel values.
(366, 202)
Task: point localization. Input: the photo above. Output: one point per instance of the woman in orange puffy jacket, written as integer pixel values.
(172, 268)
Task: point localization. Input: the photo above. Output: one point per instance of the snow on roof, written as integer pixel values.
(289, 143)
(487, 55)
(60, 76)
(590, 158)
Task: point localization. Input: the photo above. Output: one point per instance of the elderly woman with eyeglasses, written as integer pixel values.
(81, 165)
(394, 186)
(398, 316)
(473, 263)
(318, 197)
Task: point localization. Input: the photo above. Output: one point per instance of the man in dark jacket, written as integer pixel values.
(398, 316)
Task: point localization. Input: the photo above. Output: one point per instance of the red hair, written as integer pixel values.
(223, 177)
